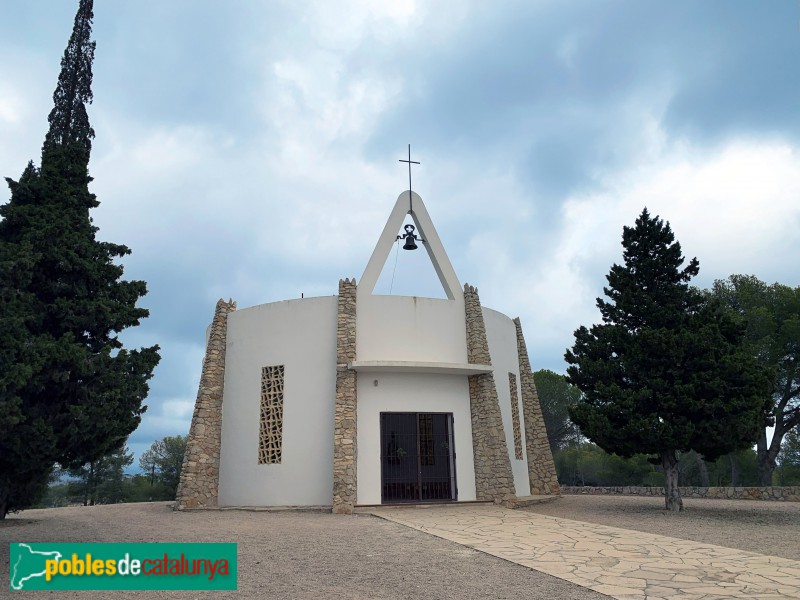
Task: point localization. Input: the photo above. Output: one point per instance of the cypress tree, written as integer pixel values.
(667, 370)
(69, 391)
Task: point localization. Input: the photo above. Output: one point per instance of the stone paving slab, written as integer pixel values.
(620, 563)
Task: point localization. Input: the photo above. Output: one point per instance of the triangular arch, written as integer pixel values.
(411, 203)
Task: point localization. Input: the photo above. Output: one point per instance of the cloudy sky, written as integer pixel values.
(250, 149)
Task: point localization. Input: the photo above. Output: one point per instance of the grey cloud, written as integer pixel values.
(729, 64)
(551, 93)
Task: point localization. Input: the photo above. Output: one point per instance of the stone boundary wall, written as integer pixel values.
(345, 449)
(199, 483)
(786, 494)
(541, 469)
(494, 479)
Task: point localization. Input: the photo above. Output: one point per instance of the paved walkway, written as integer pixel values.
(620, 563)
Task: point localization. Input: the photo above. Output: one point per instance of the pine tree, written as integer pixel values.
(163, 462)
(666, 371)
(101, 481)
(69, 391)
(773, 333)
(555, 397)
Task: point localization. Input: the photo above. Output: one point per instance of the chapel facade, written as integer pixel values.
(363, 399)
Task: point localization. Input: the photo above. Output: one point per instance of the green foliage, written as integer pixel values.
(588, 464)
(69, 122)
(772, 313)
(101, 481)
(69, 391)
(140, 489)
(788, 471)
(105, 481)
(666, 371)
(162, 463)
(791, 448)
(734, 469)
(57, 495)
(555, 397)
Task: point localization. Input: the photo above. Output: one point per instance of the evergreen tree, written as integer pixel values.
(69, 391)
(163, 461)
(555, 397)
(789, 466)
(666, 371)
(102, 481)
(791, 449)
(773, 336)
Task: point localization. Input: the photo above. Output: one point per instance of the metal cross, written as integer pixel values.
(410, 162)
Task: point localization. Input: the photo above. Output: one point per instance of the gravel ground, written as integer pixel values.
(290, 555)
(764, 527)
(317, 555)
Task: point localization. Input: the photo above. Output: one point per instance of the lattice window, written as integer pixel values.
(270, 440)
(512, 384)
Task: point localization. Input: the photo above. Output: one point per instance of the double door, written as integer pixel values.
(417, 458)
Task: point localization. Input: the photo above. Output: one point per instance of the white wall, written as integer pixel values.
(501, 333)
(407, 328)
(411, 392)
(300, 334)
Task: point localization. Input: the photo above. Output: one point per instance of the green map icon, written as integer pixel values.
(27, 563)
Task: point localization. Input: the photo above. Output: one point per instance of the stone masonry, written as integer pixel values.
(541, 470)
(514, 396)
(199, 482)
(493, 477)
(780, 494)
(345, 447)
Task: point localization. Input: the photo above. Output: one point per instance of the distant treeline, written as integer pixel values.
(105, 482)
(586, 464)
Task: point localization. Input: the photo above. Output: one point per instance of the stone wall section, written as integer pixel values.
(541, 469)
(345, 449)
(514, 395)
(493, 477)
(199, 483)
(784, 494)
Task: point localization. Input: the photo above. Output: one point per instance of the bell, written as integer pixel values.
(409, 237)
(410, 244)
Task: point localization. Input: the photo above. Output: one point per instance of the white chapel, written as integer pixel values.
(363, 399)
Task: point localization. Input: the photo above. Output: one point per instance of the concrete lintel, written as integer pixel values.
(402, 366)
